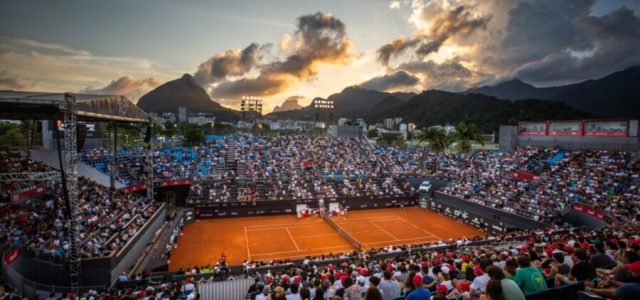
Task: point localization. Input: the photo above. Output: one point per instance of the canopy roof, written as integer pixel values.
(41, 105)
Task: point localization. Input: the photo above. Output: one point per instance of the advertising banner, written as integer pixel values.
(484, 223)
(538, 128)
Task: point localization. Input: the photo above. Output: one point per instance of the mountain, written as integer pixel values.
(288, 104)
(183, 92)
(613, 96)
(435, 107)
(352, 102)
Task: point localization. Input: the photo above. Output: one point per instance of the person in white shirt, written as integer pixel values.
(479, 283)
(294, 294)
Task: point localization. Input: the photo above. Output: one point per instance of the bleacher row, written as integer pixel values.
(37, 225)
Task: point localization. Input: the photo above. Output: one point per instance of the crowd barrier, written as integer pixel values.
(275, 207)
(510, 219)
(467, 216)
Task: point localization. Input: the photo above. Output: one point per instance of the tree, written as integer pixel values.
(437, 138)
(12, 138)
(193, 136)
(465, 134)
(391, 138)
(372, 133)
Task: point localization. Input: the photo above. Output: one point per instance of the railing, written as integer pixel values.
(230, 289)
(28, 288)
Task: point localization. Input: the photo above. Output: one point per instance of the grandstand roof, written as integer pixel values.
(42, 105)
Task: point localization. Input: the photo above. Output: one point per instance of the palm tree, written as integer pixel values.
(465, 134)
(438, 139)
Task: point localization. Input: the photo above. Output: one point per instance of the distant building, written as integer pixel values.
(182, 114)
(389, 123)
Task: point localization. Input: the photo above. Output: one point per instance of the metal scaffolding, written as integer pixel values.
(31, 176)
(150, 161)
(71, 176)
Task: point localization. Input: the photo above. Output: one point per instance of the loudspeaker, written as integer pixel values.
(147, 134)
(81, 136)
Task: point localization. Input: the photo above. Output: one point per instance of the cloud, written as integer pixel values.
(394, 48)
(126, 85)
(439, 27)
(614, 44)
(463, 43)
(399, 79)
(8, 83)
(59, 68)
(320, 38)
(233, 62)
(394, 5)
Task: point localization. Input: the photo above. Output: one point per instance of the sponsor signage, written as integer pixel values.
(489, 224)
(592, 212)
(11, 256)
(257, 208)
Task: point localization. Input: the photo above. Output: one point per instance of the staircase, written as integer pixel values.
(231, 165)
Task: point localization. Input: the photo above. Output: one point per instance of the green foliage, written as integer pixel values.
(193, 135)
(372, 133)
(465, 134)
(12, 138)
(487, 113)
(437, 138)
(391, 138)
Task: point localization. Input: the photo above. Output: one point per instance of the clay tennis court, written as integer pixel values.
(279, 237)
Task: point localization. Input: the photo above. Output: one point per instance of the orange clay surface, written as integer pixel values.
(286, 236)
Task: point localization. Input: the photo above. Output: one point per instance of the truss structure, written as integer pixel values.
(71, 176)
(32, 176)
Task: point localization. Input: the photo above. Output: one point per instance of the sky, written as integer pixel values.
(303, 49)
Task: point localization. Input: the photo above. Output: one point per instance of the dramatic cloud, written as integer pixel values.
(458, 44)
(614, 44)
(394, 48)
(320, 38)
(441, 27)
(234, 62)
(126, 85)
(399, 79)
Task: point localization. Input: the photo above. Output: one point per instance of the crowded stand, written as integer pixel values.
(550, 263)
(606, 180)
(106, 222)
(293, 167)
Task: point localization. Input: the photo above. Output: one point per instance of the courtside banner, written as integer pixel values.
(268, 207)
(489, 224)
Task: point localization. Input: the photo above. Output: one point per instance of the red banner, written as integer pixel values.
(589, 211)
(606, 133)
(11, 256)
(134, 188)
(22, 196)
(525, 176)
(175, 182)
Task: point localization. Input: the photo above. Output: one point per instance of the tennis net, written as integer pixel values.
(342, 233)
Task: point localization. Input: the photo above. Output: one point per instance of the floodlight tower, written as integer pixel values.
(323, 106)
(251, 104)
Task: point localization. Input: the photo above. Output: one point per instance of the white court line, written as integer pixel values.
(283, 252)
(318, 235)
(246, 239)
(427, 232)
(267, 227)
(351, 221)
(343, 250)
(389, 234)
(291, 237)
(403, 241)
